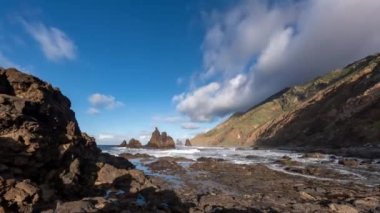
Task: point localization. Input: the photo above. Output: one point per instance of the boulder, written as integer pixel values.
(76, 206)
(187, 143)
(338, 208)
(133, 143)
(349, 162)
(160, 141)
(161, 165)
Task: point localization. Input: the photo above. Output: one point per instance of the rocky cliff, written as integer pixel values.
(44, 156)
(160, 140)
(339, 109)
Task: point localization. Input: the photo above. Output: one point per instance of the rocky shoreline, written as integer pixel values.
(215, 185)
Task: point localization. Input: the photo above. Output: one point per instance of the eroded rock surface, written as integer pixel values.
(219, 186)
(133, 143)
(160, 141)
(44, 156)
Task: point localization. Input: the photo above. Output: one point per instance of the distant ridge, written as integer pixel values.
(299, 115)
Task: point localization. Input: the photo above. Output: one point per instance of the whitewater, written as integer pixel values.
(367, 176)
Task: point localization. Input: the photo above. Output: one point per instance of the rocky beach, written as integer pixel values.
(48, 165)
(195, 106)
(243, 180)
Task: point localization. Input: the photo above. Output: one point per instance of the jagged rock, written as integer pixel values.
(133, 143)
(160, 141)
(337, 208)
(123, 144)
(307, 197)
(44, 156)
(76, 206)
(187, 143)
(165, 165)
(368, 202)
(19, 193)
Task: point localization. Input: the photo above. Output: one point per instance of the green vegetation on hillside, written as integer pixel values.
(240, 127)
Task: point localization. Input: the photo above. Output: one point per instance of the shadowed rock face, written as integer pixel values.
(339, 109)
(123, 144)
(160, 141)
(133, 143)
(187, 143)
(38, 130)
(345, 114)
(44, 156)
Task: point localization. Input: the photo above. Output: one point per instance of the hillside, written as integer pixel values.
(330, 109)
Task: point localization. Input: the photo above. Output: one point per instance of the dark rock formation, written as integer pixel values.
(187, 143)
(165, 164)
(123, 144)
(44, 156)
(133, 143)
(160, 141)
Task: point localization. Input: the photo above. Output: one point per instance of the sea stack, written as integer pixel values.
(160, 141)
(133, 143)
(187, 143)
(123, 144)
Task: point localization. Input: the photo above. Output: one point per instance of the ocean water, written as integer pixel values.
(368, 175)
(239, 156)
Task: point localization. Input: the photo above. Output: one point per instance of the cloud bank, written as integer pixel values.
(257, 48)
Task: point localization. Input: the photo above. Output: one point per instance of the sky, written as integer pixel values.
(183, 66)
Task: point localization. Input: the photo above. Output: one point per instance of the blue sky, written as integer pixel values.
(183, 66)
(142, 54)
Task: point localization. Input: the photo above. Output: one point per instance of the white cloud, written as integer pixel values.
(100, 101)
(106, 136)
(189, 125)
(204, 102)
(254, 50)
(55, 44)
